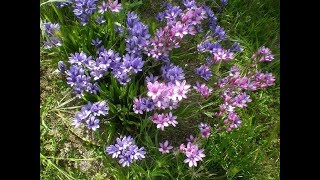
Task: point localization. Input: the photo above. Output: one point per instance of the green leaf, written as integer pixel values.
(209, 114)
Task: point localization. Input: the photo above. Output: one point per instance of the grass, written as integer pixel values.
(252, 152)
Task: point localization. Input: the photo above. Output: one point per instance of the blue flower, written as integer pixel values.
(172, 73)
(204, 72)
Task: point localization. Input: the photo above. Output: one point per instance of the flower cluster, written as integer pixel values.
(178, 25)
(83, 9)
(264, 54)
(89, 114)
(204, 71)
(163, 120)
(203, 89)
(113, 6)
(172, 73)
(193, 153)
(138, 34)
(126, 151)
(234, 95)
(161, 96)
(50, 31)
(165, 147)
(79, 81)
(205, 130)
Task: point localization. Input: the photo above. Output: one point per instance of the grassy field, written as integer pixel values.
(252, 152)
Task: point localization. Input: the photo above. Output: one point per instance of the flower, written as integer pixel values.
(172, 119)
(264, 55)
(222, 55)
(50, 30)
(126, 151)
(193, 154)
(172, 73)
(96, 42)
(219, 31)
(236, 47)
(89, 113)
(161, 120)
(83, 9)
(151, 78)
(165, 147)
(61, 67)
(191, 139)
(203, 89)
(190, 4)
(205, 130)
(103, 8)
(100, 20)
(224, 2)
(204, 72)
(138, 106)
(114, 6)
(93, 123)
(181, 89)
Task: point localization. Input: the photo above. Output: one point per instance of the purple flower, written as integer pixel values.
(264, 55)
(161, 120)
(193, 154)
(236, 47)
(103, 8)
(241, 100)
(50, 31)
(96, 42)
(203, 89)
(180, 30)
(204, 71)
(100, 20)
(83, 9)
(190, 4)
(151, 78)
(172, 119)
(79, 58)
(61, 67)
(172, 73)
(165, 147)
(191, 139)
(63, 4)
(148, 104)
(99, 108)
(126, 151)
(93, 123)
(219, 31)
(160, 16)
(78, 80)
(114, 6)
(224, 2)
(114, 150)
(222, 55)
(138, 106)
(172, 12)
(205, 130)
(118, 29)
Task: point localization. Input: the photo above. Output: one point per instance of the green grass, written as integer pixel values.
(252, 152)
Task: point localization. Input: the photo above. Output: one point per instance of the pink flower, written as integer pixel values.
(114, 6)
(203, 89)
(180, 30)
(205, 130)
(181, 90)
(222, 55)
